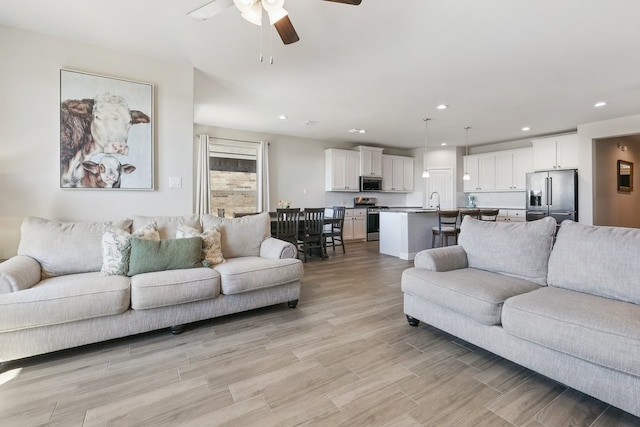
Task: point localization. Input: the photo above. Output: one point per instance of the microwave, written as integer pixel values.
(370, 183)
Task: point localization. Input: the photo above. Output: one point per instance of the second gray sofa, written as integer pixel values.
(568, 310)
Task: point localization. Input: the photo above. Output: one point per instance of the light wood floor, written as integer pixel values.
(345, 357)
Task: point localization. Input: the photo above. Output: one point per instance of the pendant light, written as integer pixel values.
(425, 173)
(466, 176)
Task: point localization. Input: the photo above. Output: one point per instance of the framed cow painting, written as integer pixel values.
(106, 132)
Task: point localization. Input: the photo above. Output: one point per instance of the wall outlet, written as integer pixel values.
(175, 182)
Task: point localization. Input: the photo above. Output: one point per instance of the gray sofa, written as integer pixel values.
(568, 310)
(58, 293)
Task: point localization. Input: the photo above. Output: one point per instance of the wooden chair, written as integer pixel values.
(311, 236)
(488, 214)
(447, 227)
(287, 226)
(473, 213)
(333, 235)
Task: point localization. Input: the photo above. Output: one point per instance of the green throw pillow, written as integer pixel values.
(159, 255)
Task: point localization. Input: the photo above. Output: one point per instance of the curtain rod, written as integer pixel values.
(236, 140)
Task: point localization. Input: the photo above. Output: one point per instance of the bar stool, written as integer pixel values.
(488, 214)
(447, 227)
(472, 212)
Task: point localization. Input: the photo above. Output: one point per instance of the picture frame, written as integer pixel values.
(106, 132)
(625, 176)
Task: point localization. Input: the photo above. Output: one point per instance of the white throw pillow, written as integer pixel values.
(116, 247)
(211, 245)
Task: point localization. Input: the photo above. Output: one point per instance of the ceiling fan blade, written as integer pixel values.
(353, 2)
(210, 9)
(287, 32)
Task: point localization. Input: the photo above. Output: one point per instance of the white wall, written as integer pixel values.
(30, 135)
(587, 134)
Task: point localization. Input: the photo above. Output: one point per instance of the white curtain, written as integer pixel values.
(263, 189)
(203, 192)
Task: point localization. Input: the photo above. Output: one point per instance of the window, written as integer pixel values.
(234, 176)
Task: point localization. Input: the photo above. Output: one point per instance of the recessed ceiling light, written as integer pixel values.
(310, 122)
(443, 143)
(282, 117)
(356, 130)
(526, 128)
(600, 104)
(442, 107)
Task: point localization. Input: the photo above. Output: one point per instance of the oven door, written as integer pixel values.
(373, 226)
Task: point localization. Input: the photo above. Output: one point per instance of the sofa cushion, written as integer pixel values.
(167, 225)
(519, 249)
(211, 242)
(240, 236)
(160, 255)
(600, 330)
(64, 299)
(246, 274)
(171, 287)
(597, 260)
(64, 247)
(477, 294)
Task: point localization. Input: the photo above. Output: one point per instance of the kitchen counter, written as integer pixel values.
(406, 231)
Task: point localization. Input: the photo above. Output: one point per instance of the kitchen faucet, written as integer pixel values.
(431, 197)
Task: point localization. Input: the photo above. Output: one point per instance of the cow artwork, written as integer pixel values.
(96, 148)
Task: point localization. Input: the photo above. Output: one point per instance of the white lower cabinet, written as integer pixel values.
(512, 215)
(355, 224)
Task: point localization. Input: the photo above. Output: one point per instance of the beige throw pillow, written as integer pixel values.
(211, 245)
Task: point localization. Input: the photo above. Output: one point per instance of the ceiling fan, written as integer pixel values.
(251, 10)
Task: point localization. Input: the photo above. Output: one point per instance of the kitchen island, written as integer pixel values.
(406, 231)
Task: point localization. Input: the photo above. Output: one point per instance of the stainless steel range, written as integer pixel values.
(373, 215)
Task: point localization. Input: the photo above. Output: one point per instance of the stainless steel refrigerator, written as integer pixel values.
(552, 193)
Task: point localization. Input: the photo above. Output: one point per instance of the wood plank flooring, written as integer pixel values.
(345, 357)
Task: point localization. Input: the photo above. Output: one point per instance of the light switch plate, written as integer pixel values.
(175, 182)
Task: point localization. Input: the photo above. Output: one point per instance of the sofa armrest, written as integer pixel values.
(18, 273)
(273, 248)
(442, 259)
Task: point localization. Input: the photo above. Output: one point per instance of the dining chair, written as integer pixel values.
(287, 226)
(333, 233)
(447, 227)
(488, 214)
(311, 236)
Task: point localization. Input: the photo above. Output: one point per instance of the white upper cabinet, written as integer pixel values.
(557, 152)
(397, 173)
(512, 167)
(482, 169)
(498, 171)
(370, 161)
(342, 170)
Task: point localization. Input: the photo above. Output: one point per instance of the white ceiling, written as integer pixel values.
(382, 66)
